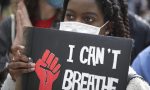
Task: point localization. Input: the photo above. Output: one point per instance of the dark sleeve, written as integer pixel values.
(5, 41)
(140, 32)
(5, 44)
(131, 6)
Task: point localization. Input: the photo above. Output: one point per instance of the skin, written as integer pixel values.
(85, 11)
(46, 11)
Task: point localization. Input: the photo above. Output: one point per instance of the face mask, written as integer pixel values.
(56, 3)
(80, 27)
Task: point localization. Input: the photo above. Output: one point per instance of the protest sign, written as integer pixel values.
(74, 61)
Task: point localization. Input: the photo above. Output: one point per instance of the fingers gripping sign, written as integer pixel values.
(47, 70)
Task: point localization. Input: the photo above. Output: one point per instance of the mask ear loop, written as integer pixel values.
(106, 33)
(104, 25)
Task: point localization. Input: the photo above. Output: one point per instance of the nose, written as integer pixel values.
(78, 20)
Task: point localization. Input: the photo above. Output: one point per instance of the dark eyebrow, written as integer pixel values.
(90, 13)
(84, 13)
(69, 10)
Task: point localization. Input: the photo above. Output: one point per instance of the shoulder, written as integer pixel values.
(137, 23)
(144, 55)
(136, 82)
(146, 51)
(142, 60)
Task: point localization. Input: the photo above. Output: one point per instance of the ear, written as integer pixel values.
(107, 29)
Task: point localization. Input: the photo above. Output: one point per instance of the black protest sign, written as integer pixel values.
(73, 61)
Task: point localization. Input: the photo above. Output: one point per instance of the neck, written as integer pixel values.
(46, 11)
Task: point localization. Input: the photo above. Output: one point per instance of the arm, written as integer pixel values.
(19, 62)
(136, 82)
(137, 65)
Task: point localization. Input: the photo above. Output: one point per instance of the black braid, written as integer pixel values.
(112, 12)
(118, 24)
(124, 9)
(106, 5)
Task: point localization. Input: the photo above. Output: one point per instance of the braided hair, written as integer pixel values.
(113, 12)
(116, 12)
(124, 9)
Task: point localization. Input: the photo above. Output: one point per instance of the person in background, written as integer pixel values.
(137, 6)
(139, 32)
(146, 14)
(139, 28)
(140, 8)
(38, 13)
(141, 64)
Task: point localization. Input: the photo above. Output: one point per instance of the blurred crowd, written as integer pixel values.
(141, 8)
(15, 14)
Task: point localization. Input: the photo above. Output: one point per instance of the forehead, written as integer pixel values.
(83, 5)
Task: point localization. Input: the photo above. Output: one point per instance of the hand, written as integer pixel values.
(19, 63)
(47, 70)
(22, 20)
(24, 16)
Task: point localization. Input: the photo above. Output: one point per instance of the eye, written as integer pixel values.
(89, 19)
(69, 17)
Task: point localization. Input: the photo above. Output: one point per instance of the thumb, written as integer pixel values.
(56, 75)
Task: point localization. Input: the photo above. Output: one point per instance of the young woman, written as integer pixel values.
(99, 12)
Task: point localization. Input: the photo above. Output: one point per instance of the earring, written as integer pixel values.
(107, 33)
(13, 58)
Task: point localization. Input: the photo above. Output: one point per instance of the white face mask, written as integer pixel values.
(80, 27)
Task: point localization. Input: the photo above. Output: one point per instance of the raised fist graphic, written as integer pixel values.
(47, 70)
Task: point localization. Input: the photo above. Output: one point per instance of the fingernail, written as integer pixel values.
(32, 69)
(13, 59)
(32, 64)
(18, 51)
(22, 47)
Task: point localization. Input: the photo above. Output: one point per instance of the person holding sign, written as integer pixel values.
(106, 14)
(98, 13)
